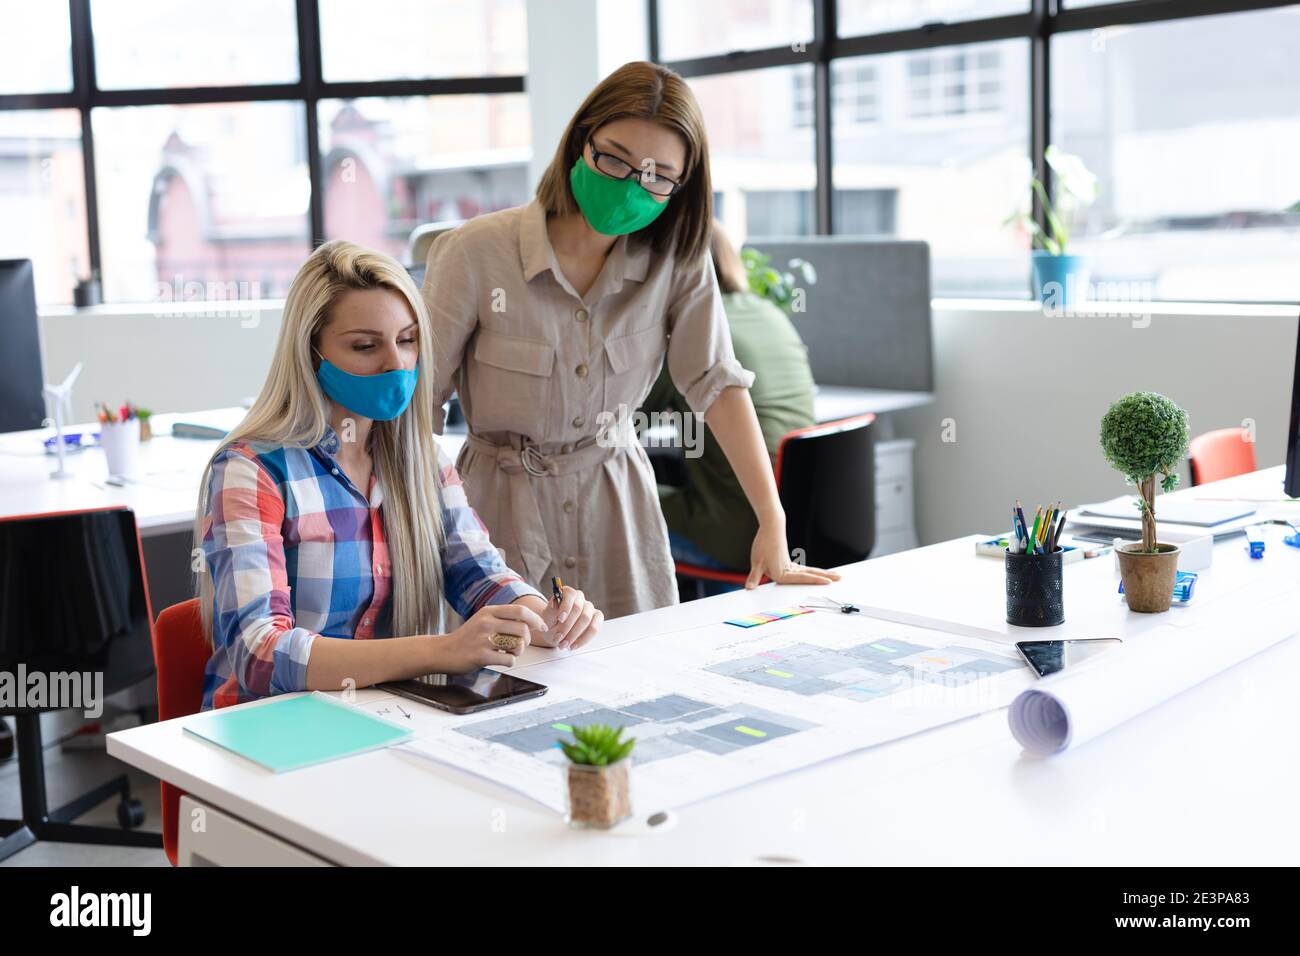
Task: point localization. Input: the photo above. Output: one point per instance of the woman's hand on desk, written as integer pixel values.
(770, 555)
(470, 645)
(572, 624)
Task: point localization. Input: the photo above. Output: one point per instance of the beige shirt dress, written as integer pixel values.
(535, 364)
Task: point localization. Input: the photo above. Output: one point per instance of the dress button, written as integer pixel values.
(570, 562)
(365, 621)
(568, 507)
(581, 371)
(579, 421)
(581, 315)
(334, 471)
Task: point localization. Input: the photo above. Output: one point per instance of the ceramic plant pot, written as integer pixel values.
(1148, 576)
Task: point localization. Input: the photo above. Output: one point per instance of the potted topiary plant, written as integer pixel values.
(1145, 434)
(1058, 274)
(599, 784)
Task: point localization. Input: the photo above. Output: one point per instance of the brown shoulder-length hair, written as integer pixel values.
(647, 91)
(727, 263)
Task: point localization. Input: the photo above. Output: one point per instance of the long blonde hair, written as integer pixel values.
(292, 411)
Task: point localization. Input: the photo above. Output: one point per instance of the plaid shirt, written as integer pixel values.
(296, 551)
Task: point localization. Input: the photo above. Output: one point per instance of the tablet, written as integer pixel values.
(466, 693)
(1048, 657)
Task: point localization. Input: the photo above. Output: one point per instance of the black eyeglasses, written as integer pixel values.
(649, 180)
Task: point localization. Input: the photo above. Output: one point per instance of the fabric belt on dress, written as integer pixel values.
(528, 461)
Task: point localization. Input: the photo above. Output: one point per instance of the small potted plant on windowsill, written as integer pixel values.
(598, 780)
(1060, 277)
(1144, 434)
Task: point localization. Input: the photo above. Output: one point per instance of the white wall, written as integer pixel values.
(1026, 393)
(184, 359)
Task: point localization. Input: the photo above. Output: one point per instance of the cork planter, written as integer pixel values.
(600, 797)
(1148, 576)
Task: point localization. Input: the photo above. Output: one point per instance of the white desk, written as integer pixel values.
(831, 402)
(163, 495)
(165, 492)
(1209, 778)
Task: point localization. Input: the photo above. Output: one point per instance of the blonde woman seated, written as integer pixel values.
(330, 517)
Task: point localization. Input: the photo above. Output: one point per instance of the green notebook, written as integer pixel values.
(297, 732)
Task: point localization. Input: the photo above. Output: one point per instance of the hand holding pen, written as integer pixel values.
(572, 619)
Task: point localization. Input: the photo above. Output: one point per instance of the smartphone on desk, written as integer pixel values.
(466, 693)
(1048, 657)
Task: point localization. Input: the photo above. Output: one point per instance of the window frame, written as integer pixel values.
(1044, 20)
(309, 90)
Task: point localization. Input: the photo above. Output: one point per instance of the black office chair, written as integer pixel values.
(825, 475)
(73, 600)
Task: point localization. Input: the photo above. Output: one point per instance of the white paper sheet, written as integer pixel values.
(719, 707)
(1074, 706)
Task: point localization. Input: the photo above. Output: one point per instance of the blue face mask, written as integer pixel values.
(381, 397)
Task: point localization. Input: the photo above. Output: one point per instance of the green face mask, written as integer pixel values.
(614, 207)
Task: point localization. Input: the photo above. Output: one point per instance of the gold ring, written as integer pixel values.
(507, 642)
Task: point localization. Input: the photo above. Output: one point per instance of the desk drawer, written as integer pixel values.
(894, 459)
(893, 505)
(224, 840)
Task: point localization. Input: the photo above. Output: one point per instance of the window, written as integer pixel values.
(176, 43)
(391, 164)
(854, 95)
(689, 28)
(43, 198)
(183, 199)
(415, 39)
(34, 47)
(1199, 168)
(760, 155)
(201, 117)
(866, 212)
(1189, 115)
(878, 16)
(779, 212)
(802, 115)
(946, 180)
(954, 82)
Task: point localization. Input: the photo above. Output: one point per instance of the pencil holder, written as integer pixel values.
(121, 442)
(1035, 597)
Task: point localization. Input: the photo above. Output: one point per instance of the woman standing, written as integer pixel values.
(552, 316)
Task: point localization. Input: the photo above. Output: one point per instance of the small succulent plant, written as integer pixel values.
(597, 745)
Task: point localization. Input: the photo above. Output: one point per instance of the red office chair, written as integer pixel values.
(180, 655)
(1222, 453)
(825, 475)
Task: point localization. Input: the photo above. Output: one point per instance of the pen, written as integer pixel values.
(557, 591)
